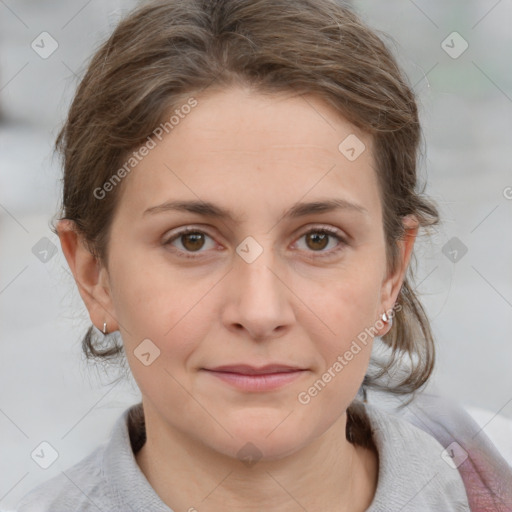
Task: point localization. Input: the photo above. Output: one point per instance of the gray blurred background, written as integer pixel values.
(464, 272)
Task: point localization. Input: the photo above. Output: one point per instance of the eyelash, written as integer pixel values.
(322, 254)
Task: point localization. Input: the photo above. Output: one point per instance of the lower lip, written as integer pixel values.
(265, 382)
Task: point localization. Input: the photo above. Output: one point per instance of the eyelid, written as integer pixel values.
(175, 234)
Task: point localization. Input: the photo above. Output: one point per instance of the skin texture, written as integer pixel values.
(299, 302)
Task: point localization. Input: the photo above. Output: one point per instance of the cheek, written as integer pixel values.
(346, 316)
(175, 317)
(342, 329)
(153, 300)
(347, 302)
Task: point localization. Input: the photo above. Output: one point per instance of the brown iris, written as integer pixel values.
(192, 241)
(317, 237)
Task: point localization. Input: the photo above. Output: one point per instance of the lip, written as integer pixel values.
(246, 369)
(250, 378)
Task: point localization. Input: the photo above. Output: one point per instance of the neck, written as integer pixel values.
(330, 474)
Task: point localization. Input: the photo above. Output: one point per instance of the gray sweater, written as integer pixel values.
(413, 477)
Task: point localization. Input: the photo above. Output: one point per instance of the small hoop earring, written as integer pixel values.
(105, 328)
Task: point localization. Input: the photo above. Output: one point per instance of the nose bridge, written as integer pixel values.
(257, 263)
(261, 303)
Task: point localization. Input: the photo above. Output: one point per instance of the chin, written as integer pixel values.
(264, 443)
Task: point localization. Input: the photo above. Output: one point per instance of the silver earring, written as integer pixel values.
(385, 318)
(104, 327)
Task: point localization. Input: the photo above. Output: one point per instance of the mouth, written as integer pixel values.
(245, 369)
(256, 379)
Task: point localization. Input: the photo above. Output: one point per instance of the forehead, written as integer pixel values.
(247, 151)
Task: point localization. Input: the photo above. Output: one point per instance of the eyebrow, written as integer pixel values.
(208, 209)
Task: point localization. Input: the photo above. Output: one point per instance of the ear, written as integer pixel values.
(90, 276)
(392, 283)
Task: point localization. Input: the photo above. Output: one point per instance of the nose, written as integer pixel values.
(259, 297)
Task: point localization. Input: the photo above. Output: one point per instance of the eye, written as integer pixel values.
(192, 240)
(317, 239)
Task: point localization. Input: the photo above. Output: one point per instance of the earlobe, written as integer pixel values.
(90, 276)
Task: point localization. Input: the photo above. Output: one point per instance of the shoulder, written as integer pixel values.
(79, 488)
(413, 475)
(108, 479)
(89, 485)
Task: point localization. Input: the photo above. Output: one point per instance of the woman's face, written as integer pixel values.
(260, 284)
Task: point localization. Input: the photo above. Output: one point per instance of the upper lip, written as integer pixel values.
(246, 369)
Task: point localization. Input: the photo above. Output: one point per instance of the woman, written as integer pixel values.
(240, 207)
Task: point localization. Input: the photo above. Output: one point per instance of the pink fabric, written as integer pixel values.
(486, 474)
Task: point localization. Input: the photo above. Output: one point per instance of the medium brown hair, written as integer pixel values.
(166, 51)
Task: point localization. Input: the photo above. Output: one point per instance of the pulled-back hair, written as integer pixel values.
(167, 51)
